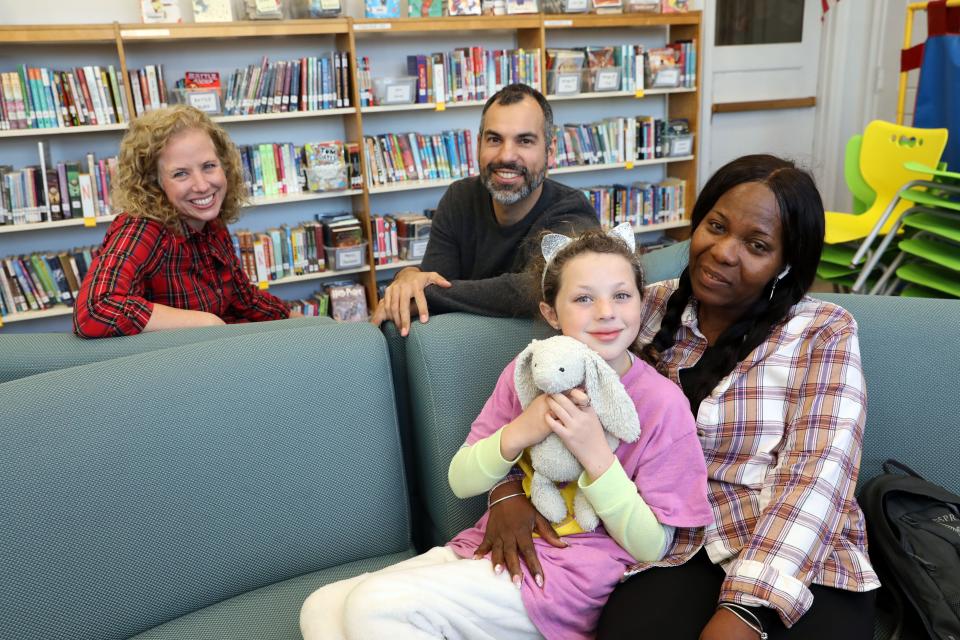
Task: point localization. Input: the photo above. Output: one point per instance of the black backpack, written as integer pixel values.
(913, 528)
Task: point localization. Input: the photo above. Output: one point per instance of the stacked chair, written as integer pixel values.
(895, 183)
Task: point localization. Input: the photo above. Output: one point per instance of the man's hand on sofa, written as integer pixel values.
(405, 296)
(509, 534)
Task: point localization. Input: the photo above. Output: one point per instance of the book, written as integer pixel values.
(515, 7)
(152, 11)
(607, 6)
(674, 6)
(325, 166)
(463, 7)
(424, 8)
(348, 302)
(212, 11)
(381, 8)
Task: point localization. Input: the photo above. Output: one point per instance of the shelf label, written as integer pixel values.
(1, 321)
(441, 106)
(638, 94)
(629, 164)
(145, 33)
(558, 23)
(372, 26)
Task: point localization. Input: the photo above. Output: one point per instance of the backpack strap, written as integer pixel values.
(890, 465)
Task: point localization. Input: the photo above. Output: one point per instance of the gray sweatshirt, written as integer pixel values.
(484, 261)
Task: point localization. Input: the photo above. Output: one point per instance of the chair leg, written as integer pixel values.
(889, 271)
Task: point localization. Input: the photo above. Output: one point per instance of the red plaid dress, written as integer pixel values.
(142, 262)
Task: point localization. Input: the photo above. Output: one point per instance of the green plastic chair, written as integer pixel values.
(934, 254)
(835, 260)
(863, 194)
(936, 216)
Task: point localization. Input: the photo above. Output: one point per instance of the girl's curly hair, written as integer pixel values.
(137, 190)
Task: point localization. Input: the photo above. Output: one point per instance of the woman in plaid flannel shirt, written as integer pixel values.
(167, 261)
(774, 379)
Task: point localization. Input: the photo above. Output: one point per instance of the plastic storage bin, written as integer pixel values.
(210, 100)
(564, 83)
(413, 248)
(340, 258)
(601, 79)
(399, 90)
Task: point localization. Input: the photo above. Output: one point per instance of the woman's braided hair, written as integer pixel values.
(802, 221)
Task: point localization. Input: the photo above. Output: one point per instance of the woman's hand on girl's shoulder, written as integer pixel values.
(508, 536)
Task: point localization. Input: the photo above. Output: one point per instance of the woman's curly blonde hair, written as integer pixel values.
(137, 190)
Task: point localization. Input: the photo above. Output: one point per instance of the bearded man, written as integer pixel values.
(486, 229)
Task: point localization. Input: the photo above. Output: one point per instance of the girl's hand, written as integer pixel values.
(508, 534)
(724, 625)
(581, 432)
(526, 430)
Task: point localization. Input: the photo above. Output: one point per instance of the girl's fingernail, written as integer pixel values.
(498, 569)
(517, 581)
(539, 579)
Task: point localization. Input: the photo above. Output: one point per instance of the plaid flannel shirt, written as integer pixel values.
(142, 262)
(782, 438)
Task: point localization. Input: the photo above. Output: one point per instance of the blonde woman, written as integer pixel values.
(167, 260)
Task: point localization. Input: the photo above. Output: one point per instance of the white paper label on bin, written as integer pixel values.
(399, 93)
(607, 80)
(206, 101)
(568, 83)
(348, 258)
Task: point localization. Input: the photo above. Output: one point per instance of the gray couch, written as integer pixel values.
(199, 484)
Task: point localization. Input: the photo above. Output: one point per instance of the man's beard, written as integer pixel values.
(508, 196)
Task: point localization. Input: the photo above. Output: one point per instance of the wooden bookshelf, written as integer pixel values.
(347, 34)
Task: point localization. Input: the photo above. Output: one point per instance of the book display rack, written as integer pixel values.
(382, 48)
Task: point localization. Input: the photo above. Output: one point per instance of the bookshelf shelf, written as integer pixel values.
(604, 95)
(320, 275)
(56, 131)
(118, 44)
(410, 185)
(285, 115)
(52, 312)
(262, 201)
(420, 106)
(661, 226)
(616, 165)
(56, 224)
(254, 202)
(402, 264)
(227, 30)
(362, 26)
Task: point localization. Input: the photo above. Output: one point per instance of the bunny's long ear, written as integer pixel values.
(614, 407)
(523, 376)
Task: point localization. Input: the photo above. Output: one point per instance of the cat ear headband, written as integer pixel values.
(552, 243)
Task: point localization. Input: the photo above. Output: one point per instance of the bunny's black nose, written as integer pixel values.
(562, 369)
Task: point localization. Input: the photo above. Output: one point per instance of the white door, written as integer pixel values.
(760, 71)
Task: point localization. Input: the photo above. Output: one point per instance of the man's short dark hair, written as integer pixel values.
(514, 93)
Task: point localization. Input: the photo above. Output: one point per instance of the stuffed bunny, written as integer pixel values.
(555, 365)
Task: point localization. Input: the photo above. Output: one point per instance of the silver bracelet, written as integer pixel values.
(735, 609)
(502, 498)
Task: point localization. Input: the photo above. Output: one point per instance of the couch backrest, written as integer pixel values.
(910, 351)
(26, 354)
(453, 362)
(911, 361)
(136, 490)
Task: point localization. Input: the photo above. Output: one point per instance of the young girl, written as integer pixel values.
(590, 290)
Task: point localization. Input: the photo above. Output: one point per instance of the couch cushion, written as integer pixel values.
(269, 612)
(453, 363)
(24, 354)
(136, 490)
